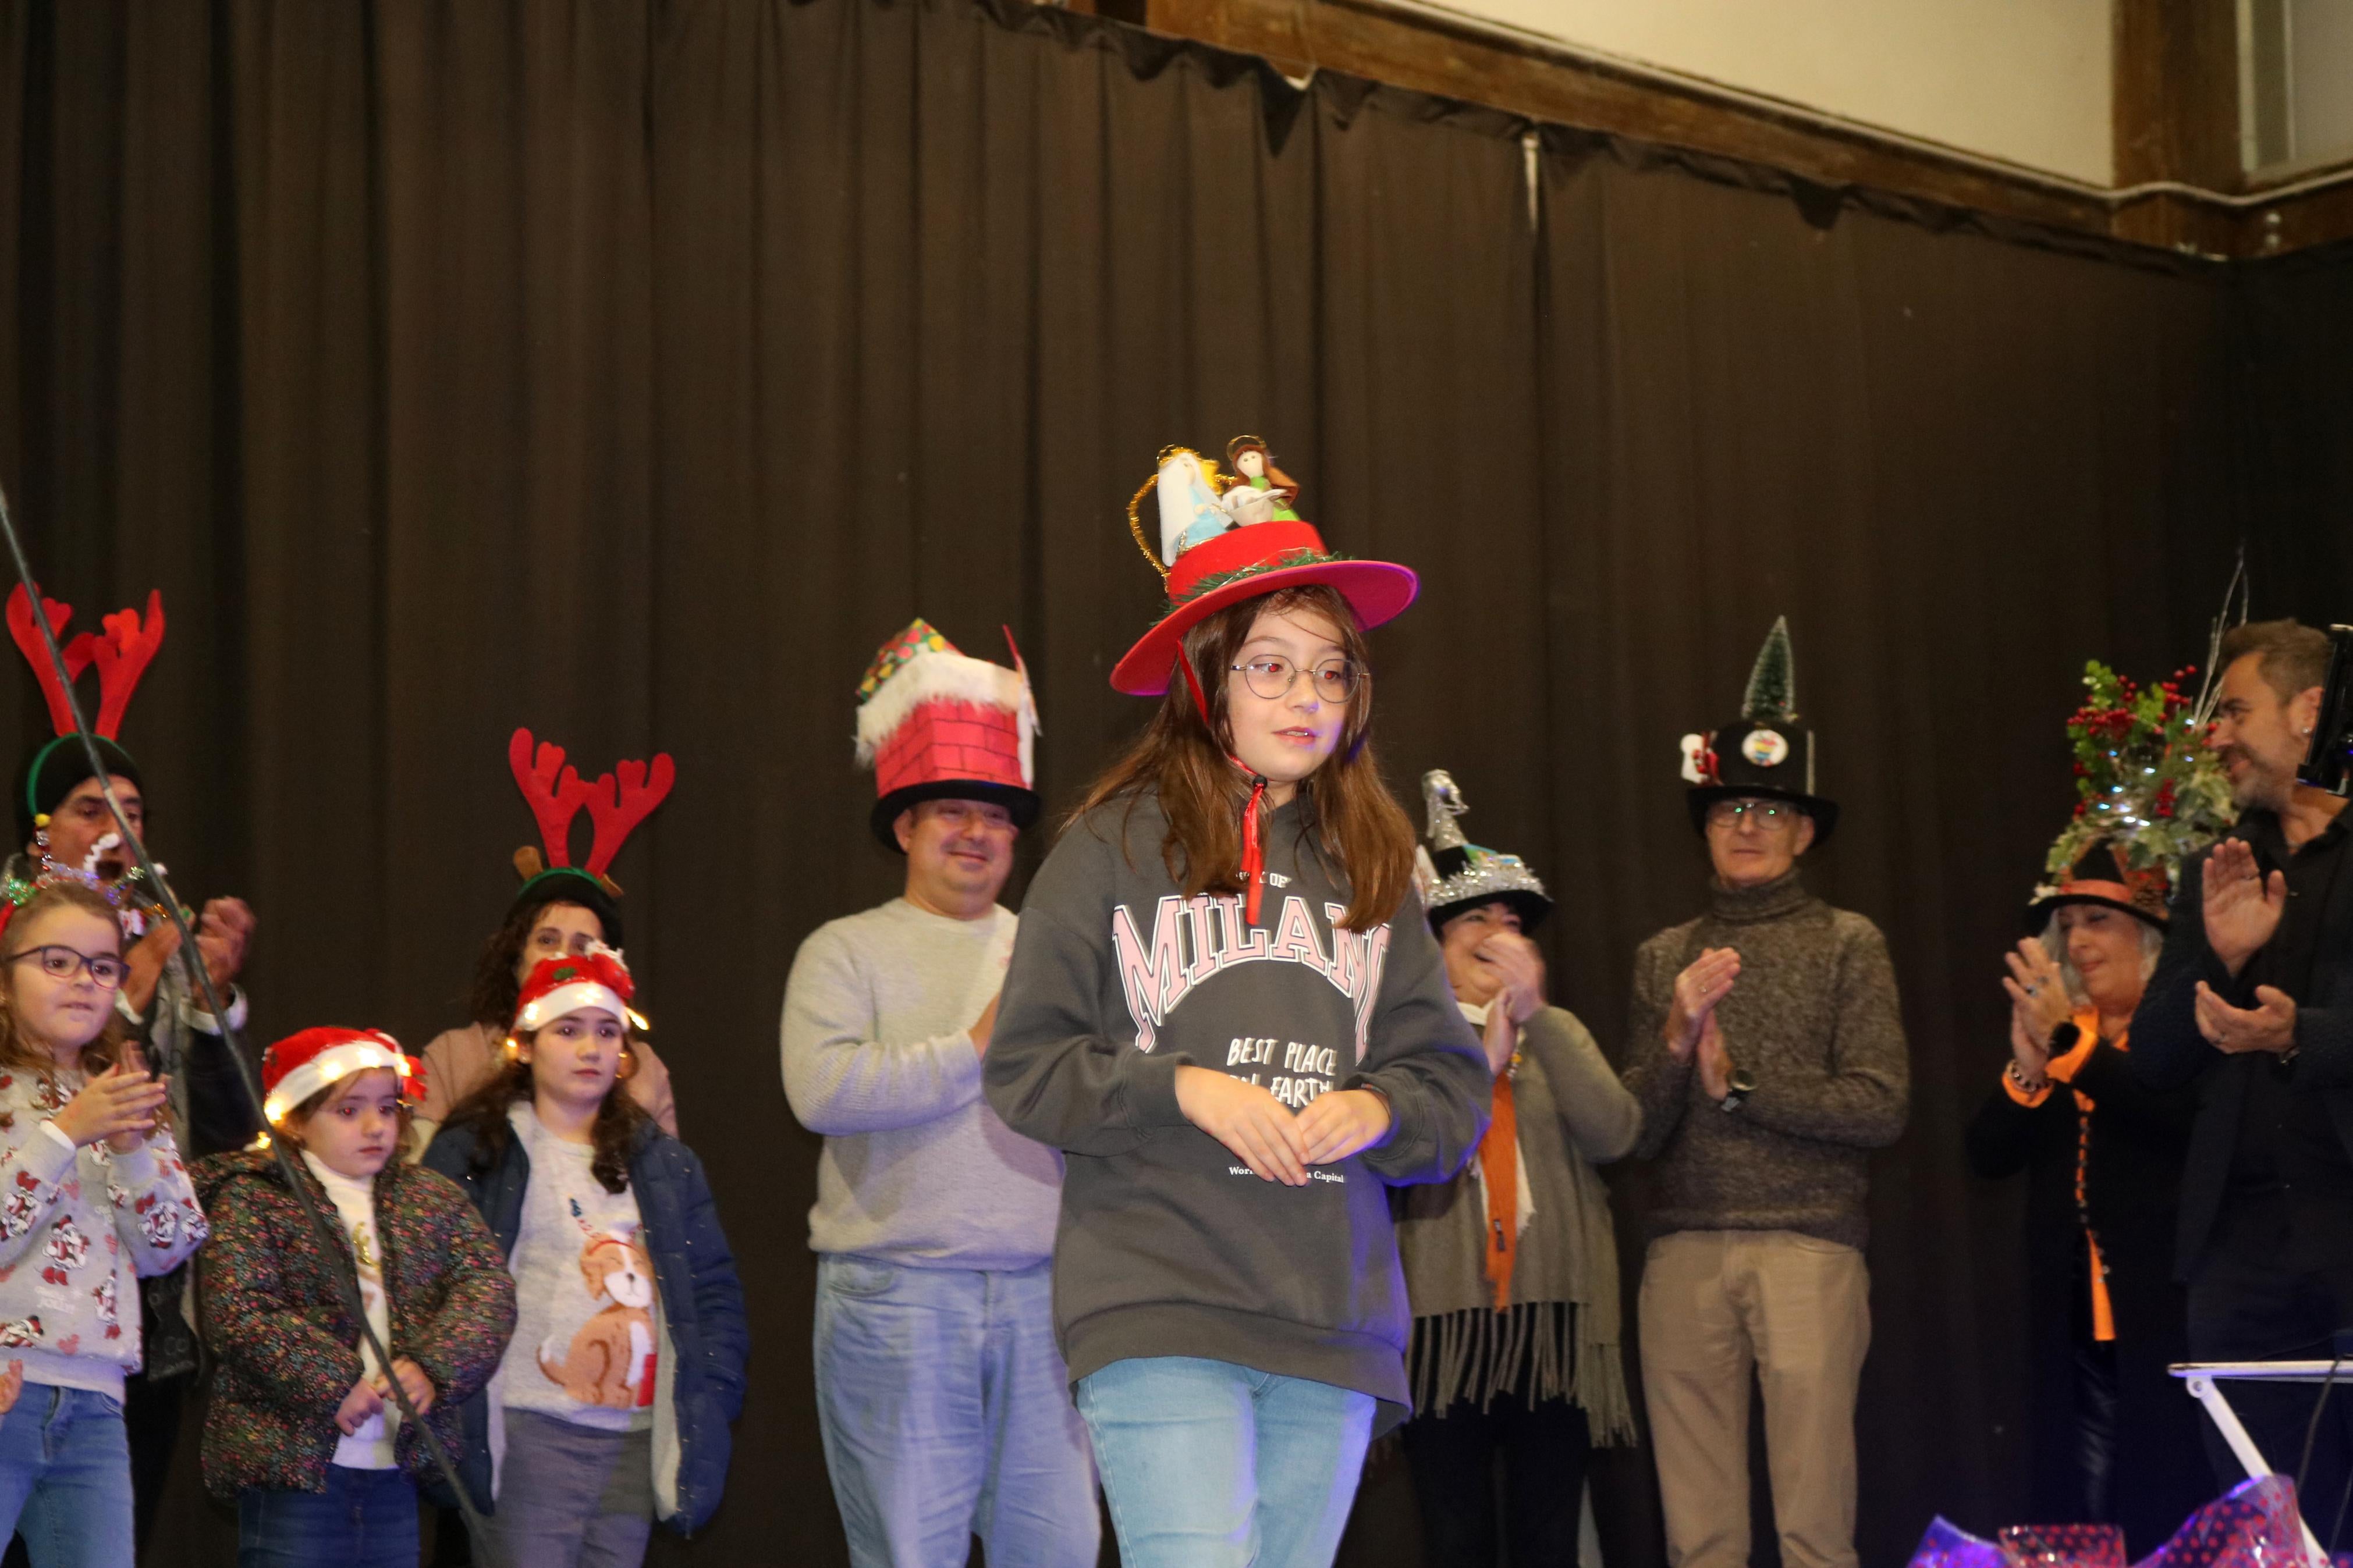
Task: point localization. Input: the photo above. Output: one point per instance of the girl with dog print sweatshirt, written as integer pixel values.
(612, 1405)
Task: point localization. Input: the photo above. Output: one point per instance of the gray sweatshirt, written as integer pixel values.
(1814, 1017)
(1169, 1245)
(878, 1057)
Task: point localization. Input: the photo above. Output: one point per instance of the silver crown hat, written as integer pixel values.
(1455, 875)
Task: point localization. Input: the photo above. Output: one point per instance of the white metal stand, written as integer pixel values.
(2204, 1380)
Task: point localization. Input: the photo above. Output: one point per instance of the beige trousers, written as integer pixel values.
(1717, 1303)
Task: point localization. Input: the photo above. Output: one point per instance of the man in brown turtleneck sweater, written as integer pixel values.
(1768, 1058)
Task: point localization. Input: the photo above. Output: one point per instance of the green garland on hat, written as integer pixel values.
(2147, 782)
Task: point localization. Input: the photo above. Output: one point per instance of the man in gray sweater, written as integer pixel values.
(942, 1399)
(1769, 1059)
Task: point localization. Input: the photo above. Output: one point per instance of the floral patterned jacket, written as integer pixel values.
(272, 1311)
(79, 1228)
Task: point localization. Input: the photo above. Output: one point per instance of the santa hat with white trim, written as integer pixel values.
(936, 724)
(300, 1066)
(597, 978)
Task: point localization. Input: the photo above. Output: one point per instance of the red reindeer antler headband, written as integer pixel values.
(556, 793)
(122, 648)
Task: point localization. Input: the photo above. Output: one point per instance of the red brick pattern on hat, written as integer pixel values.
(950, 739)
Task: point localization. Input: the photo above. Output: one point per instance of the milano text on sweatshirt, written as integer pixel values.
(1168, 1246)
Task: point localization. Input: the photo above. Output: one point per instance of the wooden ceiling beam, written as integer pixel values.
(2176, 108)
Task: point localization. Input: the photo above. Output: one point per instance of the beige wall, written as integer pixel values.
(2024, 80)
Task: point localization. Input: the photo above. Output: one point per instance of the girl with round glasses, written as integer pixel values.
(1223, 995)
(96, 1198)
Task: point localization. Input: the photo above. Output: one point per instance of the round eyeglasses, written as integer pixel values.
(63, 964)
(1763, 813)
(1271, 678)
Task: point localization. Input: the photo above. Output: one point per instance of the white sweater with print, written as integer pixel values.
(78, 1228)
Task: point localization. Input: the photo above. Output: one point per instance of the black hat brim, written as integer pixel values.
(1825, 812)
(1532, 908)
(1021, 805)
(2039, 912)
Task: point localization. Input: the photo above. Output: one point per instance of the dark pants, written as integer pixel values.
(366, 1519)
(1453, 1455)
(2095, 1427)
(151, 1420)
(2246, 1303)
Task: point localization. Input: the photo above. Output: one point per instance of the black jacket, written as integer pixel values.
(2169, 1052)
(2132, 1168)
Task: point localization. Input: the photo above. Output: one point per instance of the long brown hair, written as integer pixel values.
(496, 990)
(611, 1137)
(21, 1054)
(1360, 831)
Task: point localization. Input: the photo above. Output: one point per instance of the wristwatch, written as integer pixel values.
(1743, 1083)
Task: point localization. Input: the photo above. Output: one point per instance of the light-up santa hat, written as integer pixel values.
(934, 724)
(300, 1066)
(597, 978)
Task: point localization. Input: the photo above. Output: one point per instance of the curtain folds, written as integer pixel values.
(630, 371)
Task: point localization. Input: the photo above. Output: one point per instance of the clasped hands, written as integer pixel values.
(119, 1107)
(2242, 909)
(1265, 1134)
(1692, 1028)
(371, 1393)
(224, 931)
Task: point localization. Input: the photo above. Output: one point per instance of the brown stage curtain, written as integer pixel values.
(630, 371)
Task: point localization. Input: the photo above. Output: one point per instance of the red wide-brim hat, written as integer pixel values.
(1247, 563)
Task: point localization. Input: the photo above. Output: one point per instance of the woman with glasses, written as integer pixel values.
(1224, 995)
(79, 1226)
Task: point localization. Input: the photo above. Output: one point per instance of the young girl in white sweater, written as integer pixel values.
(92, 1196)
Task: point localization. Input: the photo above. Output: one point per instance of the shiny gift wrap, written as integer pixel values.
(2254, 1527)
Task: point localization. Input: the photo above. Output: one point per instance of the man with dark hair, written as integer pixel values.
(2254, 1002)
(942, 1400)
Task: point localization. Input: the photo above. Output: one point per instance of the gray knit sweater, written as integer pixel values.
(1561, 1334)
(1814, 1018)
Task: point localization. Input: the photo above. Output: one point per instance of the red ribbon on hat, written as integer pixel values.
(1253, 845)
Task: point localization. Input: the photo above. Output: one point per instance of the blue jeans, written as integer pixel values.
(947, 1413)
(366, 1519)
(1211, 1464)
(65, 1477)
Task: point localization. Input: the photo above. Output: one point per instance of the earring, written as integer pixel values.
(627, 1068)
(513, 1049)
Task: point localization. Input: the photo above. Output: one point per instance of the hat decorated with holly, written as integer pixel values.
(1764, 752)
(616, 803)
(1227, 538)
(1456, 876)
(122, 648)
(2149, 791)
(597, 978)
(936, 724)
(300, 1064)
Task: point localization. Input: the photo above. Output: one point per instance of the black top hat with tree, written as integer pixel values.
(1763, 753)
